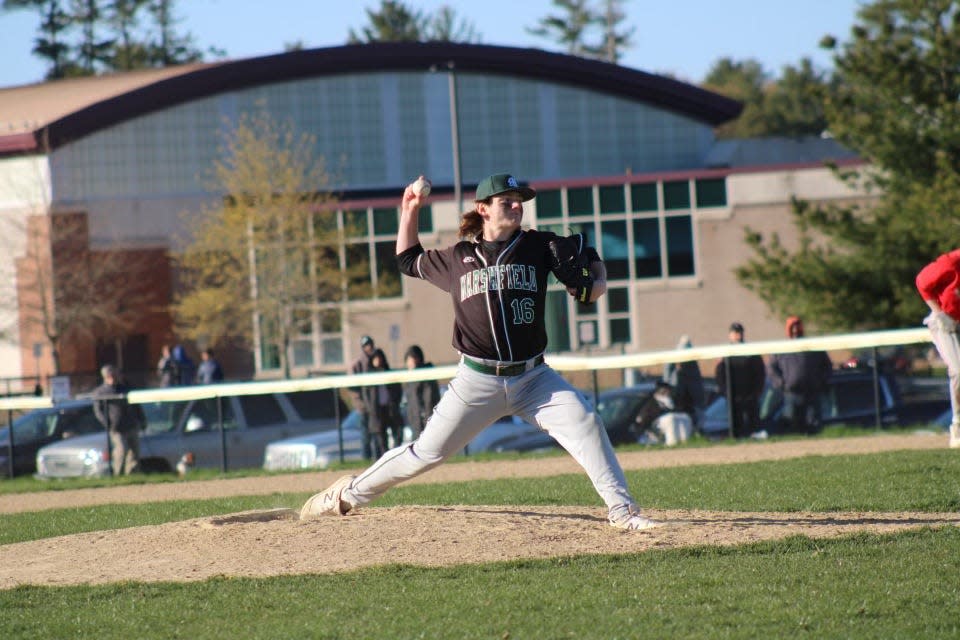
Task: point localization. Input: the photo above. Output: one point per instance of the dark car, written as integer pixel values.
(41, 427)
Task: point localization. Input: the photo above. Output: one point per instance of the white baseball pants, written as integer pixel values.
(474, 401)
(948, 347)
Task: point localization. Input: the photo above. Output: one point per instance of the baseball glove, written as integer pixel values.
(572, 266)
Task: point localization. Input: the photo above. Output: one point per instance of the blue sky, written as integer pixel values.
(681, 37)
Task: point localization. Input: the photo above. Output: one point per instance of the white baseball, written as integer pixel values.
(421, 187)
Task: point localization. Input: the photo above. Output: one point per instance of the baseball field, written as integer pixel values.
(853, 537)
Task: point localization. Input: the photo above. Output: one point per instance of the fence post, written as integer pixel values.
(10, 428)
(336, 416)
(876, 388)
(223, 435)
(729, 383)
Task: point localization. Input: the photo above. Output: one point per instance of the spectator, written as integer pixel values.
(122, 421)
(362, 365)
(802, 378)
(422, 396)
(939, 286)
(383, 408)
(209, 370)
(184, 366)
(687, 383)
(747, 375)
(167, 368)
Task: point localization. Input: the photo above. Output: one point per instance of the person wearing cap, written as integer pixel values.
(802, 378)
(497, 279)
(746, 375)
(122, 420)
(363, 365)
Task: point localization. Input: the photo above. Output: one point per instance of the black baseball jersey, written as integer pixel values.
(498, 289)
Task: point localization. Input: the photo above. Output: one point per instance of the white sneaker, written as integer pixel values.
(328, 502)
(955, 436)
(628, 517)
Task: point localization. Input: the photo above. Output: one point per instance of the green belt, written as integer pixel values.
(502, 370)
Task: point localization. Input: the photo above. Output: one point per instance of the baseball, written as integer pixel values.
(421, 187)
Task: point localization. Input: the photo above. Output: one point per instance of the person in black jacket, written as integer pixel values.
(747, 375)
(802, 377)
(122, 421)
(422, 396)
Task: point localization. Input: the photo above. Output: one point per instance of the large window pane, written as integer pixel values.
(331, 350)
(676, 195)
(616, 253)
(644, 197)
(586, 228)
(388, 273)
(646, 248)
(549, 204)
(425, 220)
(619, 331)
(613, 200)
(359, 285)
(580, 201)
(618, 300)
(385, 221)
(712, 192)
(302, 352)
(355, 223)
(557, 317)
(679, 246)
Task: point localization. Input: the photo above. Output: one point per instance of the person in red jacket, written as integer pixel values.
(939, 286)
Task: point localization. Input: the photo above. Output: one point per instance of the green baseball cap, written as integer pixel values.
(502, 183)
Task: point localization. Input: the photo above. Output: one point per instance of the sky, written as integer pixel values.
(679, 37)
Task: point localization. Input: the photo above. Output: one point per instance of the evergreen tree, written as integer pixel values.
(447, 26)
(615, 40)
(568, 28)
(394, 21)
(50, 43)
(170, 47)
(129, 52)
(92, 53)
(894, 102)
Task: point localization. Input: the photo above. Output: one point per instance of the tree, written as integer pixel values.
(50, 42)
(568, 28)
(615, 39)
(895, 102)
(270, 251)
(446, 26)
(169, 47)
(747, 82)
(394, 21)
(92, 52)
(129, 52)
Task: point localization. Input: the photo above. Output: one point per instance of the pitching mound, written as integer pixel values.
(276, 542)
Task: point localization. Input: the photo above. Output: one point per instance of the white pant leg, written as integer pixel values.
(544, 398)
(472, 402)
(949, 349)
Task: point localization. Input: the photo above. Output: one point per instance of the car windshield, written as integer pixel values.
(163, 416)
(34, 426)
(614, 409)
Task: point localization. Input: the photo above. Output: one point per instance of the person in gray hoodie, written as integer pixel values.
(802, 378)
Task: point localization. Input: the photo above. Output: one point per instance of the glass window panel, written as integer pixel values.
(619, 330)
(331, 350)
(646, 248)
(262, 410)
(425, 221)
(618, 300)
(269, 354)
(355, 223)
(359, 285)
(676, 195)
(388, 273)
(549, 204)
(554, 228)
(330, 321)
(302, 352)
(711, 192)
(679, 246)
(586, 228)
(616, 253)
(580, 201)
(613, 200)
(557, 317)
(328, 277)
(386, 221)
(644, 196)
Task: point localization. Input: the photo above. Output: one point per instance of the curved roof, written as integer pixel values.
(54, 113)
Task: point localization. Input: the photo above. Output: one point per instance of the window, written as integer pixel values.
(680, 246)
(202, 416)
(711, 192)
(580, 201)
(386, 221)
(615, 249)
(646, 248)
(261, 410)
(549, 204)
(644, 197)
(676, 195)
(557, 319)
(612, 200)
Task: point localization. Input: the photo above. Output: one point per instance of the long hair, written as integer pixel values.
(471, 225)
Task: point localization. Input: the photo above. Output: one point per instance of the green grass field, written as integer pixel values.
(904, 585)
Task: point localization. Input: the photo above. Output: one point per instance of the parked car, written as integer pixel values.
(849, 400)
(175, 429)
(41, 427)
